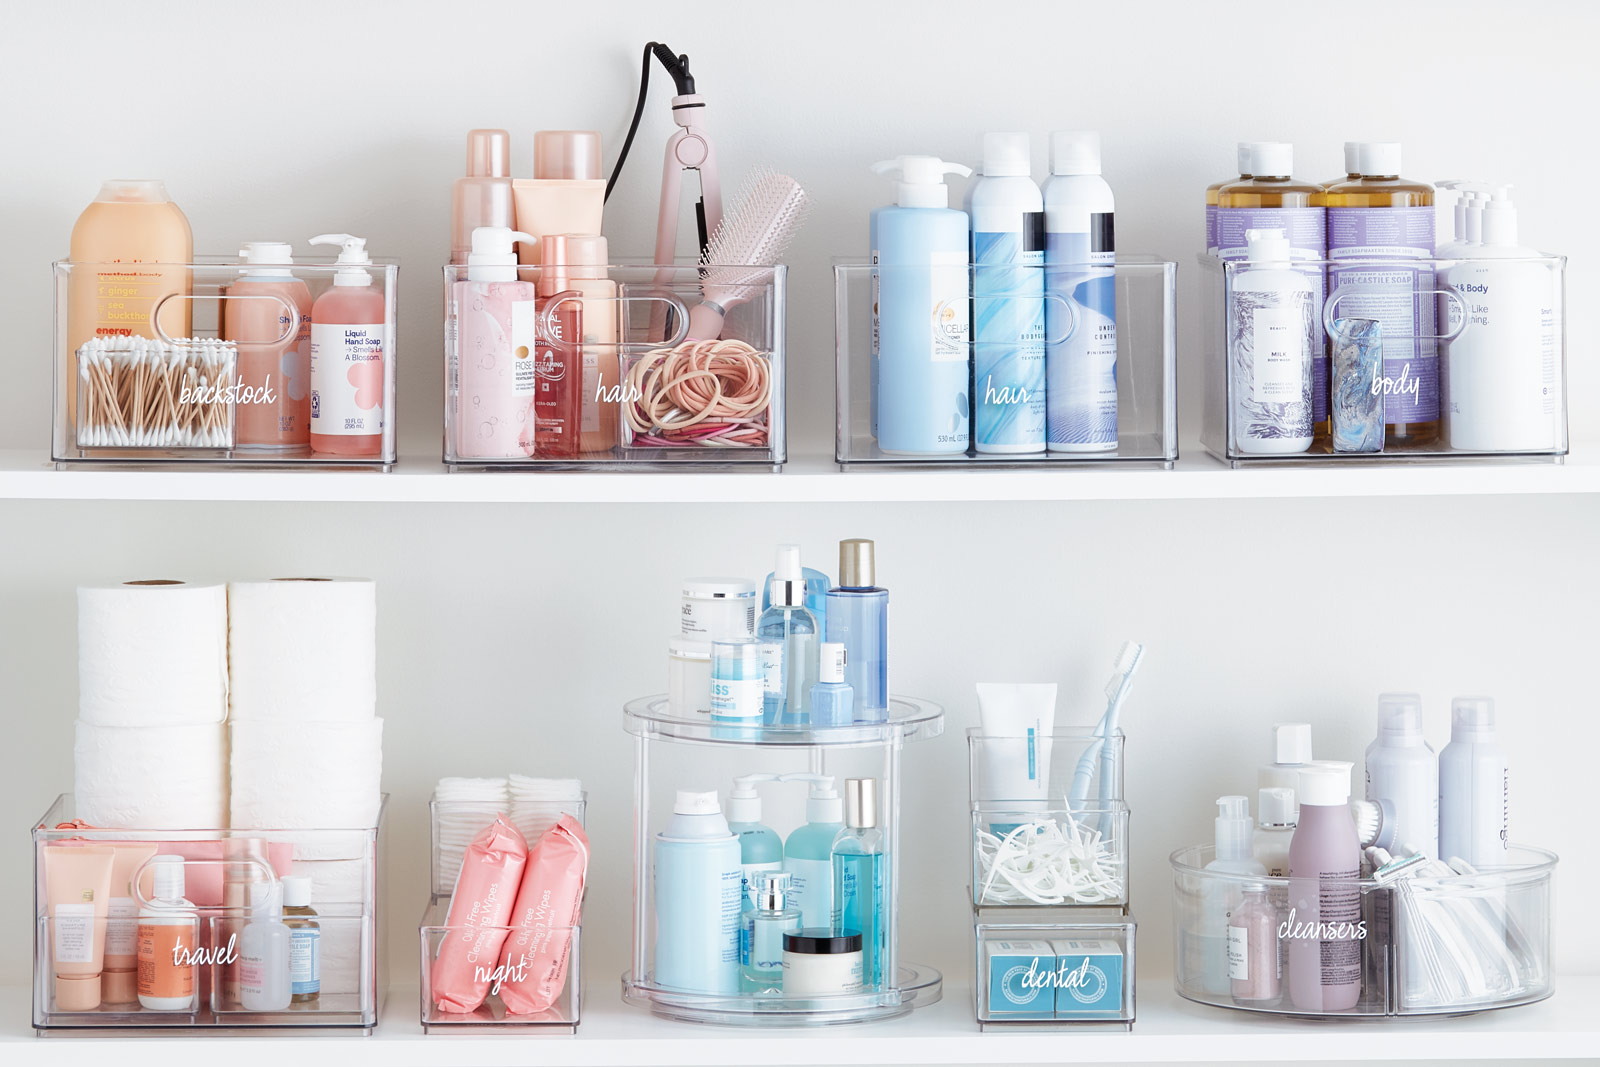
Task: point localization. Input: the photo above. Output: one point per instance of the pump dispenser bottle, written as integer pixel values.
(920, 355)
(1383, 216)
(267, 313)
(859, 877)
(789, 637)
(1234, 855)
(858, 618)
(1216, 187)
(1322, 927)
(1008, 312)
(1272, 200)
(491, 378)
(1474, 788)
(1272, 349)
(483, 197)
(349, 357)
(1080, 269)
(1403, 773)
(760, 847)
(808, 854)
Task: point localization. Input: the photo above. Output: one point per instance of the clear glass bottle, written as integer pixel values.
(305, 940)
(833, 702)
(858, 877)
(788, 636)
(858, 618)
(761, 935)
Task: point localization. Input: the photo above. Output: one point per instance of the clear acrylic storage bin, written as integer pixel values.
(453, 824)
(193, 363)
(1487, 337)
(1064, 845)
(1058, 973)
(1423, 944)
(692, 752)
(649, 397)
(219, 868)
(1146, 423)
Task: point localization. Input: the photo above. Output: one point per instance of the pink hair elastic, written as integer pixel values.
(714, 393)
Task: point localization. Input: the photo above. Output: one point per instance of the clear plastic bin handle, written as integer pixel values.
(1070, 306)
(292, 331)
(238, 861)
(1460, 319)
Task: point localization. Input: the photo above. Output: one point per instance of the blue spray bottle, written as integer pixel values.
(921, 350)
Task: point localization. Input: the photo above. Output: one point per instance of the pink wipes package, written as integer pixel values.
(534, 962)
(480, 909)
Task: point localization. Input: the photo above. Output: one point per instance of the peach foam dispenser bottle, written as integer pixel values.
(558, 402)
(349, 366)
(267, 313)
(483, 197)
(131, 221)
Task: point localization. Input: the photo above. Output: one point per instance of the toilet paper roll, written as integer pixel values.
(307, 776)
(303, 650)
(151, 777)
(337, 881)
(152, 653)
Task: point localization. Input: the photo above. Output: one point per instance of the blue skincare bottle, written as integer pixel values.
(858, 618)
(789, 635)
(808, 854)
(921, 301)
(833, 702)
(760, 847)
(817, 586)
(858, 877)
(696, 885)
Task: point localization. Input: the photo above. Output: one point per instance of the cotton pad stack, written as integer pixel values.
(151, 749)
(536, 803)
(461, 808)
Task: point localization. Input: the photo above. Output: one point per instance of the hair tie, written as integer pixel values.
(715, 393)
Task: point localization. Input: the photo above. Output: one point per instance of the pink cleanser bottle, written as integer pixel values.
(349, 364)
(1323, 927)
(493, 378)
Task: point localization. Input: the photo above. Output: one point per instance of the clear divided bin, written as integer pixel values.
(724, 813)
(1411, 360)
(614, 367)
(1121, 374)
(1062, 973)
(1400, 944)
(218, 362)
(87, 955)
(533, 983)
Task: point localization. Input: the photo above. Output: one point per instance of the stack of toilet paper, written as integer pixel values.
(151, 749)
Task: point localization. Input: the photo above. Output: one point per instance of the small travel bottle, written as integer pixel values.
(1253, 963)
(833, 702)
(858, 618)
(788, 636)
(761, 935)
(264, 952)
(858, 877)
(305, 940)
(169, 939)
(349, 361)
(558, 402)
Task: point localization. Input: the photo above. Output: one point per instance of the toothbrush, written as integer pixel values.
(1117, 688)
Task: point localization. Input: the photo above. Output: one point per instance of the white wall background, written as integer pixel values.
(1253, 611)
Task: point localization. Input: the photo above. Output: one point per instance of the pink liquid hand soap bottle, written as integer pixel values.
(349, 361)
(494, 378)
(1324, 927)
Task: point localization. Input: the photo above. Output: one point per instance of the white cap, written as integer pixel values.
(830, 665)
(744, 803)
(1475, 205)
(1075, 152)
(352, 250)
(1244, 156)
(1352, 157)
(280, 253)
(1266, 246)
(1292, 742)
(1234, 828)
(1271, 159)
(1500, 218)
(787, 565)
(166, 875)
(1007, 155)
(494, 254)
(1399, 719)
(1325, 784)
(694, 802)
(823, 803)
(1471, 717)
(1378, 159)
(718, 588)
(296, 890)
(921, 179)
(1275, 806)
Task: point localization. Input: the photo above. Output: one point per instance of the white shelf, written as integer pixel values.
(1169, 1030)
(807, 479)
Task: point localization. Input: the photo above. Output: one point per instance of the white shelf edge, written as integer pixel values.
(1169, 1030)
(806, 479)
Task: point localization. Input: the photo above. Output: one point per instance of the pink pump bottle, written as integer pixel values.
(349, 366)
(267, 312)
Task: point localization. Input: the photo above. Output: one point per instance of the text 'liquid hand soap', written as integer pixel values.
(349, 356)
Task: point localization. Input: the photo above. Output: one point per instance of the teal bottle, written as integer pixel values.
(808, 854)
(858, 878)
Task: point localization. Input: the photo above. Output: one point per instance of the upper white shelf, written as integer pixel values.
(807, 479)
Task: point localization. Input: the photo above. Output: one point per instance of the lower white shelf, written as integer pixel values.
(1168, 1030)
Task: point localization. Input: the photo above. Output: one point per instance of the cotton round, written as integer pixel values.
(152, 653)
(303, 650)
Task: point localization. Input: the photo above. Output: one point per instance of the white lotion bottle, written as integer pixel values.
(1234, 830)
(264, 952)
(1403, 772)
(1272, 319)
(1474, 787)
(1291, 750)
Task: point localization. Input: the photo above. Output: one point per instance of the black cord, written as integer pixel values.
(678, 67)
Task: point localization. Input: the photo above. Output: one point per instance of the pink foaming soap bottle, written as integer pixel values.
(1324, 926)
(495, 377)
(349, 361)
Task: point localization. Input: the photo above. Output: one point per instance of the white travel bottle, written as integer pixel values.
(1474, 789)
(264, 952)
(1272, 326)
(1234, 829)
(1403, 773)
(169, 940)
